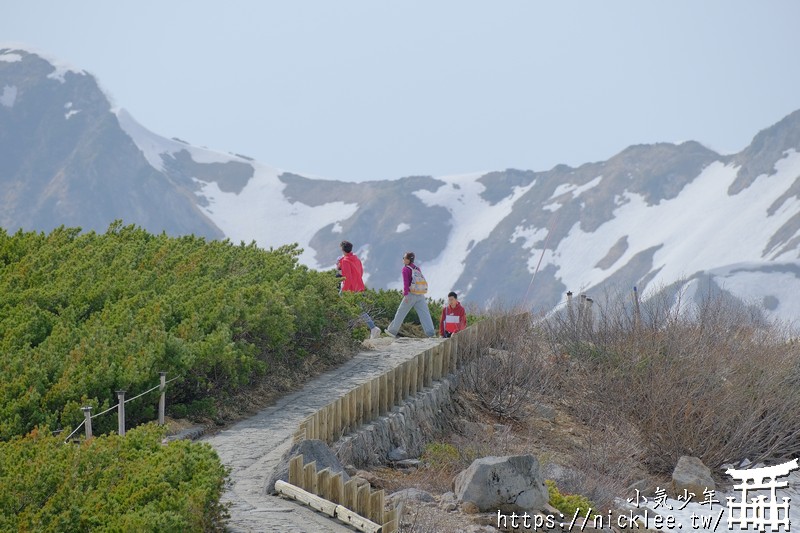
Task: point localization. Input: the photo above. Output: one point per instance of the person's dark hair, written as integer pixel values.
(453, 294)
(410, 256)
(346, 246)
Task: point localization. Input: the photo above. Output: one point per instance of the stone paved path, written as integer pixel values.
(253, 447)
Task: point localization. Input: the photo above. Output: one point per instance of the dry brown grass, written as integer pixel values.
(713, 381)
(631, 396)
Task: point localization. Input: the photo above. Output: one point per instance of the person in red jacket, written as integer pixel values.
(351, 269)
(454, 317)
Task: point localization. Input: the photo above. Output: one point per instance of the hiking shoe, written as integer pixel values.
(389, 333)
(375, 332)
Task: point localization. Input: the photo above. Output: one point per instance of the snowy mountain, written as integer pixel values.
(660, 216)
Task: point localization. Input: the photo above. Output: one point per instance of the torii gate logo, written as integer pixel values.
(758, 511)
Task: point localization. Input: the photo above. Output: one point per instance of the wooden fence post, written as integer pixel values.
(413, 372)
(383, 388)
(375, 392)
(296, 471)
(589, 316)
(376, 504)
(407, 378)
(338, 427)
(324, 483)
(330, 415)
(336, 489)
(162, 400)
(428, 356)
(353, 409)
(455, 357)
(367, 402)
(323, 424)
(350, 491)
(310, 477)
(121, 413)
(362, 500)
(87, 413)
(392, 522)
(420, 371)
(438, 356)
(399, 372)
(362, 400)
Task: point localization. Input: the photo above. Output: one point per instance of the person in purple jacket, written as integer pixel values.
(414, 289)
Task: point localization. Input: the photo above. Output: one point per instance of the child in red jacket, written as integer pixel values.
(454, 317)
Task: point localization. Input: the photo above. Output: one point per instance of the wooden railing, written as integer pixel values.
(361, 506)
(120, 407)
(376, 397)
(357, 505)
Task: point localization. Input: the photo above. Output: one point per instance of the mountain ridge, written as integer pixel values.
(654, 215)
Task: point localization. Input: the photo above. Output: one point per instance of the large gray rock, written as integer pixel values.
(311, 450)
(692, 475)
(508, 484)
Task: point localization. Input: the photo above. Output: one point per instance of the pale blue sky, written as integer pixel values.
(372, 90)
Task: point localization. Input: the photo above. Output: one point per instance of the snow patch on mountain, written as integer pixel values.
(9, 57)
(770, 286)
(9, 96)
(530, 236)
(261, 213)
(576, 190)
(153, 145)
(722, 227)
(10, 53)
(473, 220)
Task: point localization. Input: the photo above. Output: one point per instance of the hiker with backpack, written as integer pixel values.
(414, 289)
(454, 317)
(350, 268)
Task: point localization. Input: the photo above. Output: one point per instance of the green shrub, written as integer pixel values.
(83, 315)
(568, 503)
(110, 483)
(441, 455)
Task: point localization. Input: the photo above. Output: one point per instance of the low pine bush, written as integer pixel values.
(110, 483)
(83, 315)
